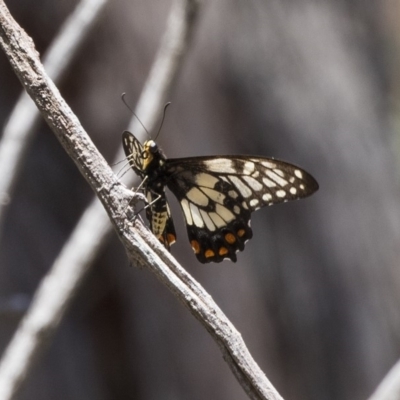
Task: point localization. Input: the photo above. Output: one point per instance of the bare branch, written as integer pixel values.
(389, 388)
(25, 116)
(143, 249)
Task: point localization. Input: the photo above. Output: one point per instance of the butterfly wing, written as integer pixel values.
(218, 194)
(133, 150)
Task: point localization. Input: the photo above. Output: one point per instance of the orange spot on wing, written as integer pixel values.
(230, 238)
(171, 238)
(222, 251)
(209, 253)
(241, 232)
(195, 246)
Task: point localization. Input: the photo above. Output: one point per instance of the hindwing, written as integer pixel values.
(218, 194)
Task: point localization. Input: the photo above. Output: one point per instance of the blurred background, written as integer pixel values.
(316, 293)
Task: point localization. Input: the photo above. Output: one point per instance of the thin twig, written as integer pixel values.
(141, 245)
(389, 388)
(25, 116)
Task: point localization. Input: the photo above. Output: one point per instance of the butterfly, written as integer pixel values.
(217, 194)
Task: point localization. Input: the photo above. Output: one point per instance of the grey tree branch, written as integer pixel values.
(25, 116)
(143, 249)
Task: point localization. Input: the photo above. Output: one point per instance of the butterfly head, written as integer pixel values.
(152, 154)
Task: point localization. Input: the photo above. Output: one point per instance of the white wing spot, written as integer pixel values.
(268, 182)
(292, 179)
(198, 221)
(293, 190)
(268, 164)
(220, 165)
(281, 193)
(267, 197)
(186, 211)
(233, 194)
(206, 180)
(248, 167)
(244, 205)
(214, 195)
(243, 189)
(236, 210)
(218, 221)
(254, 202)
(298, 173)
(197, 197)
(301, 186)
(279, 172)
(272, 175)
(206, 218)
(255, 174)
(224, 213)
(253, 183)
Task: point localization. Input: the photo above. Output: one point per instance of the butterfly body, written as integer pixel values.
(217, 195)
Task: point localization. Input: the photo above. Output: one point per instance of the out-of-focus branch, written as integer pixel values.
(167, 64)
(142, 248)
(48, 307)
(389, 388)
(25, 116)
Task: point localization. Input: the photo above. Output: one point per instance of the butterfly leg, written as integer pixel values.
(153, 201)
(136, 196)
(141, 184)
(148, 204)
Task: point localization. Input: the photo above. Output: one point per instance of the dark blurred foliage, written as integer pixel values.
(316, 292)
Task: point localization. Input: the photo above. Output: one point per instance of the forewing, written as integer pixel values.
(218, 194)
(133, 150)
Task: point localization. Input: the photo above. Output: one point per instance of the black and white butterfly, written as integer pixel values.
(217, 194)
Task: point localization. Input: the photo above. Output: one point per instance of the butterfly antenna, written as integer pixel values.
(130, 109)
(162, 121)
